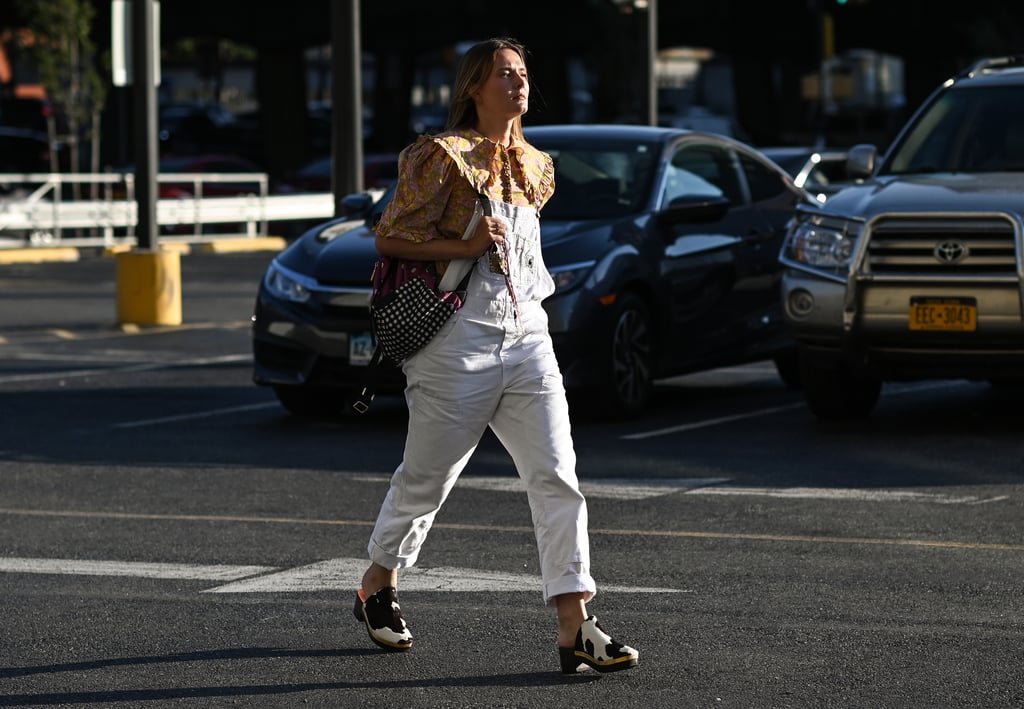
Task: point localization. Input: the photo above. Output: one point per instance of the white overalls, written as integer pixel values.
(491, 365)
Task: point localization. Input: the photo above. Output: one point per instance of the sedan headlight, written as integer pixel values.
(821, 244)
(285, 284)
(568, 276)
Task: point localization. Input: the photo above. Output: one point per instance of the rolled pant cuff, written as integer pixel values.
(582, 584)
(387, 559)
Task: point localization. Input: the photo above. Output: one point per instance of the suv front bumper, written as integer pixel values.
(867, 326)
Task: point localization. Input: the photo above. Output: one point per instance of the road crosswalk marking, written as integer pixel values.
(343, 575)
(136, 569)
(330, 575)
(605, 488)
(627, 489)
(338, 574)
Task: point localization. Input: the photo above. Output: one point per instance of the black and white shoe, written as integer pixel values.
(383, 618)
(597, 649)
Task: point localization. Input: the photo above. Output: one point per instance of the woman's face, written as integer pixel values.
(505, 92)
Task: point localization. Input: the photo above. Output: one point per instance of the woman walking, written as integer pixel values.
(493, 363)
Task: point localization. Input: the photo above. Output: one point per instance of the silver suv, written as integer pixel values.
(917, 271)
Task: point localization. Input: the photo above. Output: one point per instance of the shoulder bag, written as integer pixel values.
(410, 303)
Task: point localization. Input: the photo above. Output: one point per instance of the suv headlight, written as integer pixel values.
(821, 244)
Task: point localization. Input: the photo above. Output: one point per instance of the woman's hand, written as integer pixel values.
(490, 231)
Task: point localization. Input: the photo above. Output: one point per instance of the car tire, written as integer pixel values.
(625, 373)
(788, 367)
(834, 392)
(1008, 384)
(310, 402)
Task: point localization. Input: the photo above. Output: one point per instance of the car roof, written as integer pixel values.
(1006, 62)
(1005, 77)
(993, 71)
(605, 130)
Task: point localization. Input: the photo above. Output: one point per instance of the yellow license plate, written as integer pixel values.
(951, 314)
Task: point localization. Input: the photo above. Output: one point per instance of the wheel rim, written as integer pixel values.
(631, 350)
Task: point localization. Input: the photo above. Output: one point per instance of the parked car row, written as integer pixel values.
(663, 244)
(676, 251)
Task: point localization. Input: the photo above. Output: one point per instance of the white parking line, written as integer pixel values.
(709, 422)
(894, 390)
(196, 415)
(854, 494)
(77, 373)
(147, 367)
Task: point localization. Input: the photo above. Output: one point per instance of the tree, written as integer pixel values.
(67, 61)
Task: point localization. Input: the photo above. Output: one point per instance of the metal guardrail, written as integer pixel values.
(38, 210)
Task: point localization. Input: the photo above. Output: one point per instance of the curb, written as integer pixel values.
(261, 243)
(41, 254)
(67, 254)
(179, 246)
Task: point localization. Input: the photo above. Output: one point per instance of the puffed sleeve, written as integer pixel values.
(421, 195)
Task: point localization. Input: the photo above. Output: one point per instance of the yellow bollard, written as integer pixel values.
(149, 287)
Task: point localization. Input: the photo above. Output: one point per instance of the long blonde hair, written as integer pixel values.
(474, 68)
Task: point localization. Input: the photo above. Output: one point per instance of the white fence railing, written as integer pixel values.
(47, 209)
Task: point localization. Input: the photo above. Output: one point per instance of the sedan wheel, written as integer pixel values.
(625, 389)
(788, 367)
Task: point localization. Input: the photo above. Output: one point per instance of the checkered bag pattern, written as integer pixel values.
(406, 309)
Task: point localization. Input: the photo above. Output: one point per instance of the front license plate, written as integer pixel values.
(360, 349)
(952, 314)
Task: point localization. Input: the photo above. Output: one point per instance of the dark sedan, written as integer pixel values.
(662, 244)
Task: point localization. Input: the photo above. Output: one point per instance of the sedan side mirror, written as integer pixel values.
(357, 205)
(694, 209)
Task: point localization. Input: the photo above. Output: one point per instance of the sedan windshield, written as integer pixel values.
(599, 179)
(966, 130)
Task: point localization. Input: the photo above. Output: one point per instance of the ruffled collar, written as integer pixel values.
(475, 154)
(515, 145)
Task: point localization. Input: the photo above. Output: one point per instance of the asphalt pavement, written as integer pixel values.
(169, 536)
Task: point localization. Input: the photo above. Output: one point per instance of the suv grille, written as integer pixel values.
(955, 247)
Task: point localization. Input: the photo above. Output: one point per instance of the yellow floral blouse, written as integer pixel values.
(440, 176)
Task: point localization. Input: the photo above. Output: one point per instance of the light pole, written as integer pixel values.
(647, 13)
(148, 277)
(346, 102)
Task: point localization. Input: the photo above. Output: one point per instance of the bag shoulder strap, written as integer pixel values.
(362, 403)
